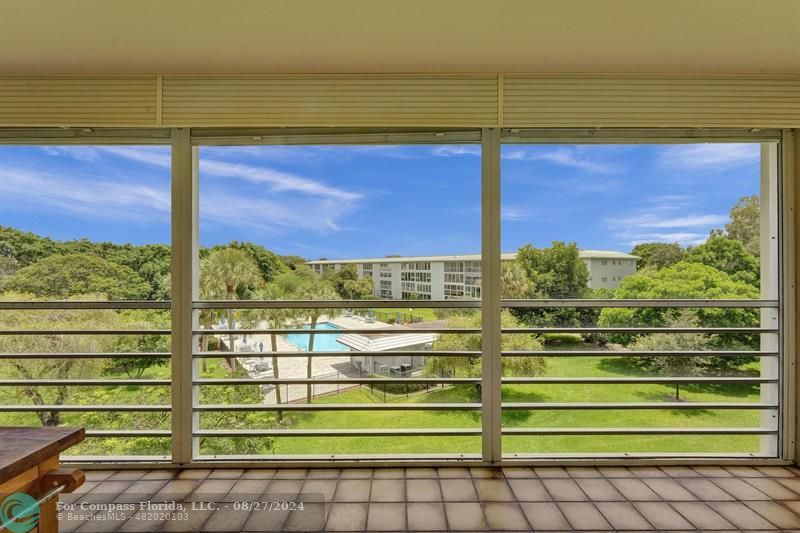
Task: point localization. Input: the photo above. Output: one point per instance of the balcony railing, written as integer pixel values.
(768, 381)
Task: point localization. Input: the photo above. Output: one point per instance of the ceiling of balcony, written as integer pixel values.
(309, 36)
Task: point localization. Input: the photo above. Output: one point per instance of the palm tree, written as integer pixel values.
(514, 281)
(226, 271)
(316, 291)
(276, 319)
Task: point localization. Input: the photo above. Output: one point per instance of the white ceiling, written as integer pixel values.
(309, 36)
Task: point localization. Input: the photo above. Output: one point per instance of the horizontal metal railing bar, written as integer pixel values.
(398, 353)
(507, 381)
(128, 433)
(85, 332)
(643, 380)
(639, 431)
(638, 303)
(84, 408)
(328, 381)
(342, 331)
(83, 382)
(638, 353)
(520, 406)
(88, 305)
(639, 330)
(476, 304)
(397, 432)
(86, 355)
(337, 304)
(405, 331)
(341, 407)
(583, 406)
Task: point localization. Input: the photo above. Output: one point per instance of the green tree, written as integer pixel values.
(674, 365)
(269, 263)
(682, 281)
(63, 276)
(316, 291)
(229, 270)
(141, 319)
(746, 222)
(729, 256)
(276, 318)
(466, 366)
(514, 281)
(555, 273)
(658, 254)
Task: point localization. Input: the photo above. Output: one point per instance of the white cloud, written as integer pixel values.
(105, 200)
(513, 213)
(685, 238)
(573, 157)
(81, 153)
(709, 157)
(686, 221)
(91, 198)
(279, 181)
(450, 150)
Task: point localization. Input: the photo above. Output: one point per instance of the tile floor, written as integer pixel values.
(452, 499)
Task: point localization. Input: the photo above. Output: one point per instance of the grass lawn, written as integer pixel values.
(423, 314)
(584, 366)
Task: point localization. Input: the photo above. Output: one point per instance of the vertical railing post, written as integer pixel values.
(490, 295)
(184, 291)
(770, 289)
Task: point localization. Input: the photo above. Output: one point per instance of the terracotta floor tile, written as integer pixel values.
(580, 472)
(663, 516)
(389, 473)
(564, 490)
(740, 489)
(776, 513)
(353, 490)
(493, 490)
(423, 490)
(505, 517)
(310, 518)
(705, 490)
(519, 472)
(623, 516)
(529, 490)
(773, 489)
(453, 472)
(600, 490)
(458, 490)
(584, 516)
(325, 487)
(386, 517)
(545, 516)
(465, 517)
(634, 490)
(701, 515)
(426, 516)
(669, 489)
(347, 517)
(740, 515)
(356, 473)
(551, 472)
(421, 473)
(388, 490)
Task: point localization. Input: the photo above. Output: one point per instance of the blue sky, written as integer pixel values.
(363, 201)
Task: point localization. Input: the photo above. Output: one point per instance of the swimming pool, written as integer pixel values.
(325, 342)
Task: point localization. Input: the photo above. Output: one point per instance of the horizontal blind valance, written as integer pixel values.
(90, 101)
(651, 101)
(378, 100)
(401, 100)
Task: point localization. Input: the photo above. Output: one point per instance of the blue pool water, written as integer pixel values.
(325, 342)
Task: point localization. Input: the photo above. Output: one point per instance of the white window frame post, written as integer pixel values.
(491, 368)
(185, 288)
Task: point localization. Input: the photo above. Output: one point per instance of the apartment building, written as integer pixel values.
(448, 277)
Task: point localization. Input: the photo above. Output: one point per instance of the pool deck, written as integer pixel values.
(295, 367)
